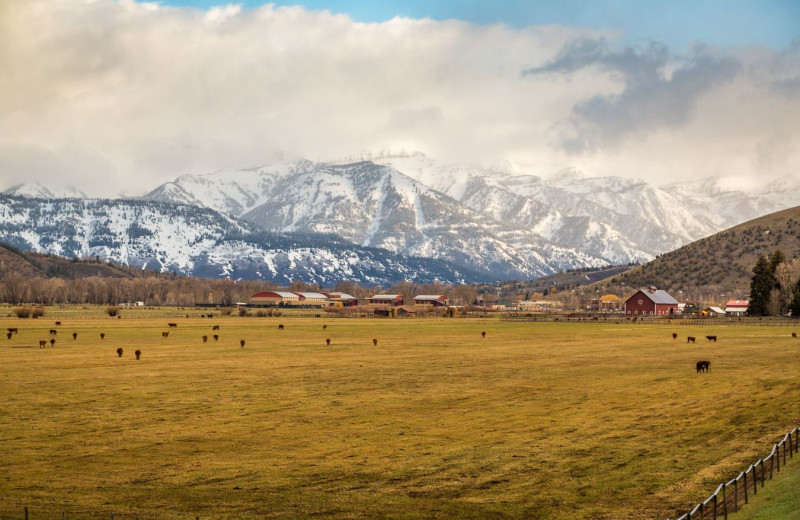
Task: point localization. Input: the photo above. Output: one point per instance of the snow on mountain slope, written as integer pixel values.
(231, 191)
(203, 242)
(378, 206)
(36, 190)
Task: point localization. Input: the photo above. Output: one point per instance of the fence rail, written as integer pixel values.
(730, 496)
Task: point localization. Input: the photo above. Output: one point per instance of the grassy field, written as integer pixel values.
(545, 420)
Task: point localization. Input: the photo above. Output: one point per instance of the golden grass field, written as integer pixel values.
(537, 420)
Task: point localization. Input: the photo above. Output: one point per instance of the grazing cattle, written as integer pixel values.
(216, 337)
(119, 352)
(210, 315)
(205, 338)
(712, 338)
(9, 335)
(102, 335)
(42, 343)
(172, 325)
(324, 327)
(328, 341)
(53, 332)
(483, 334)
(215, 327)
(52, 342)
(794, 334)
(703, 366)
(74, 335)
(374, 342)
(138, 354)
(280, 327)
(690, 339)
(674, 335)
(202, 315)
(12, 330)
(241, 343)
(165, 334)
(58, 323)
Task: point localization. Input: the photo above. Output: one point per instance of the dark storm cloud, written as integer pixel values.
(655, 92)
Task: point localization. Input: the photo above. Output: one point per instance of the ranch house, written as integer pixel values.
(434, 300)
(737, 307)
(394, 300)
(651, 302)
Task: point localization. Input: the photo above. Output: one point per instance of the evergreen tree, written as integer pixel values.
(794, 307)
(760, 288)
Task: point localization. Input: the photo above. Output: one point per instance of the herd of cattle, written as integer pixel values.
(701, 366)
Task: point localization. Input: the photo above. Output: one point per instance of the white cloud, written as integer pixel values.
(120, 96)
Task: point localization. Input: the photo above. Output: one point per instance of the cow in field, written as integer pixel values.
(74, 335)
(674, 335)
(165, 334)
(215, 327)
(9, 335)
(205, 338)
(58, 323)
(52, 342)
(216, 337)
(374, 342)
(483, 334)
(102, 335)
(328, 341)
(241, 343)
(712, 338)
(172, 325)
(280, 327)
(794, 334)
(12, 330)
(119, 352)
(42, 343)
(690, 339)
(53, 332)
(703, 366)
(138, 354)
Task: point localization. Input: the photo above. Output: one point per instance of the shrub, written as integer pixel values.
(112, 311)
(225, 312)
(243, 312)
(37, 312)
(23, 312)
(261, 314)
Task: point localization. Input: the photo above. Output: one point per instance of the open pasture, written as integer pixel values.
(536, 420)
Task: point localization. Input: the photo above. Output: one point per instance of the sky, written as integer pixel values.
(115, 97)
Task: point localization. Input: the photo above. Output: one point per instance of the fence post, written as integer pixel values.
(725, 501)
(735, 495)
(26, 512)
(715, 506)
(778, 456)
(755, 481)
(745, 486)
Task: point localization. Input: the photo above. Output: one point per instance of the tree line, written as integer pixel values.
(16, 289)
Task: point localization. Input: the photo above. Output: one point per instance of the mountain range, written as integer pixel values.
(470, 223)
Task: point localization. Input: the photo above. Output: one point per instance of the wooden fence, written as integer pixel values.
(730, 496)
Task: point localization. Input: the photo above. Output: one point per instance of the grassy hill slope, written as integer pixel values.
(722, 263)
(31, 265)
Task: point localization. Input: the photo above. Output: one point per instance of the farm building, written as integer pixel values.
(394, 300)
(435, 300)
(712, 312)
(651, 302)
(312, 299)
(274, 298)
(736, 307)
(340, 299)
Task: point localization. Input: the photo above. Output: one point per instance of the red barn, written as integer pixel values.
(651, 302)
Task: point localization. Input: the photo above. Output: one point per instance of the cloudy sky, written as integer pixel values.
(116, 97)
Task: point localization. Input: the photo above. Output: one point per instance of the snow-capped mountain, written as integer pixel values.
(36, 190)
(497, 222)
(203, 242)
